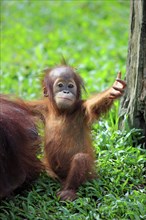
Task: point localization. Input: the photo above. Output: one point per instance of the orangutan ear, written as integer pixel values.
(45, 92)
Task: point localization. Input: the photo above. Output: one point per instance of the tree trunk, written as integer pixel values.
(133, 103)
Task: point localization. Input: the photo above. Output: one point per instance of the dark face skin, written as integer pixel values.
(64, 88)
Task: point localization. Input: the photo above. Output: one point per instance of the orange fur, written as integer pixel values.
(68, 155)
(19, 144)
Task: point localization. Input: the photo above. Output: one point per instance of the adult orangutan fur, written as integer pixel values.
(19, 144)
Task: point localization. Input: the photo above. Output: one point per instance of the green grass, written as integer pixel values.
(93, 36)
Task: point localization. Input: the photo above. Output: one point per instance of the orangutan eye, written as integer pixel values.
(60, 85)
(70, 85)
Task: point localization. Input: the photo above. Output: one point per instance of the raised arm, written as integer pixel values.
(37, 108)
(101, 103)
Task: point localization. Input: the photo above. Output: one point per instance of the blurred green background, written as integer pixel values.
(91, 35)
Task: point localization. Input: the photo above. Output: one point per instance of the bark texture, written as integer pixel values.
(133, 102)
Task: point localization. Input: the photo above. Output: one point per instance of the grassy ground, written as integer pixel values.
(93, 36)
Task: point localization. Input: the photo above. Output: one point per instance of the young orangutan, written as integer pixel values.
(68, 149)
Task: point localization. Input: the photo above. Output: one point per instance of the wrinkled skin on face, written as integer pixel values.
(64, 88)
